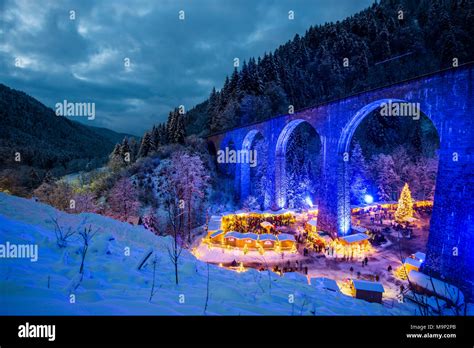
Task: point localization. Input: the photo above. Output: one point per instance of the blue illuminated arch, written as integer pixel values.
(280, 160)
(245, 167)
(344, 144)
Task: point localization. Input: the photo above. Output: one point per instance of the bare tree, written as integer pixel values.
(303, 305)
(176, 247)
(207, 290)
(169, 195)
(263, 260)
(86, 234)
(62, 236)
(155, 263)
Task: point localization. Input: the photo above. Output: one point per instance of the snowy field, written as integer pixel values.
(113, 285)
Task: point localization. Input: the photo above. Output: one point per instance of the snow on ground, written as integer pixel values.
(112, 285)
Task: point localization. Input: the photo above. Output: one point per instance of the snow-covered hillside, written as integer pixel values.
(112, 285)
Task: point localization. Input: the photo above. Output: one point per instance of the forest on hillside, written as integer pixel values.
(391, 41)
(388, 42)
(34, 142)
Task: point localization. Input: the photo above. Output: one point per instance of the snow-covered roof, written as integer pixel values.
(286, 236)
(367, 285)
(268, 236)
(234, 234)
(241, 212)
(359, 229)
(217, 233)
(354, 238)
(216, 218)
(420, 256)
(313, 222)
(325, 283)
(441, 288)
(239, 235)
(253, 236)
(413, 262)
(265, 224)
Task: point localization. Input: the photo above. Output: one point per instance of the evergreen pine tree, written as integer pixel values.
(175, 127)
(125, 152)
(155, 136)
(180, 132)
(234, 85)
(115, 158)
(358, 174)
(405, 205)
(134, 148)
(48, 178)
(164, 138)
(146, 147)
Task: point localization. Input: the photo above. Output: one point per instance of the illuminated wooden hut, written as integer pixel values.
(267, 241)
(287, 241)
(250, 239)
(217, 237)
(366, 290)
(411, 264)
(232, 237)
(353, 244)
(355, 239)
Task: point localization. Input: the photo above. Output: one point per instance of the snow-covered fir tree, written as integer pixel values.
(123, 200)
(147, 145)
(405, 205)
(358, 175)
(175, 127)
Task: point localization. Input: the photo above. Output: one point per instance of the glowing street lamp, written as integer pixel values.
(368, 199)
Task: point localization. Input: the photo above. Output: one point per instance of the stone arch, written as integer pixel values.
(280, 159)
(343, 154)
(249, 139)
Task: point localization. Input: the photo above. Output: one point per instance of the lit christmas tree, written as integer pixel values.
(405, 205)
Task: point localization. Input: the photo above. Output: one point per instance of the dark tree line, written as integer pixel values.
(171, 132)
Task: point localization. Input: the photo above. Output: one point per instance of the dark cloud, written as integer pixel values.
(173, 62)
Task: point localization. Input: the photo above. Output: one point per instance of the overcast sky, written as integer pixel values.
(172, 61)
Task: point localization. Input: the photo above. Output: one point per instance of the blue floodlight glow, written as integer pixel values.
(368, 199)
